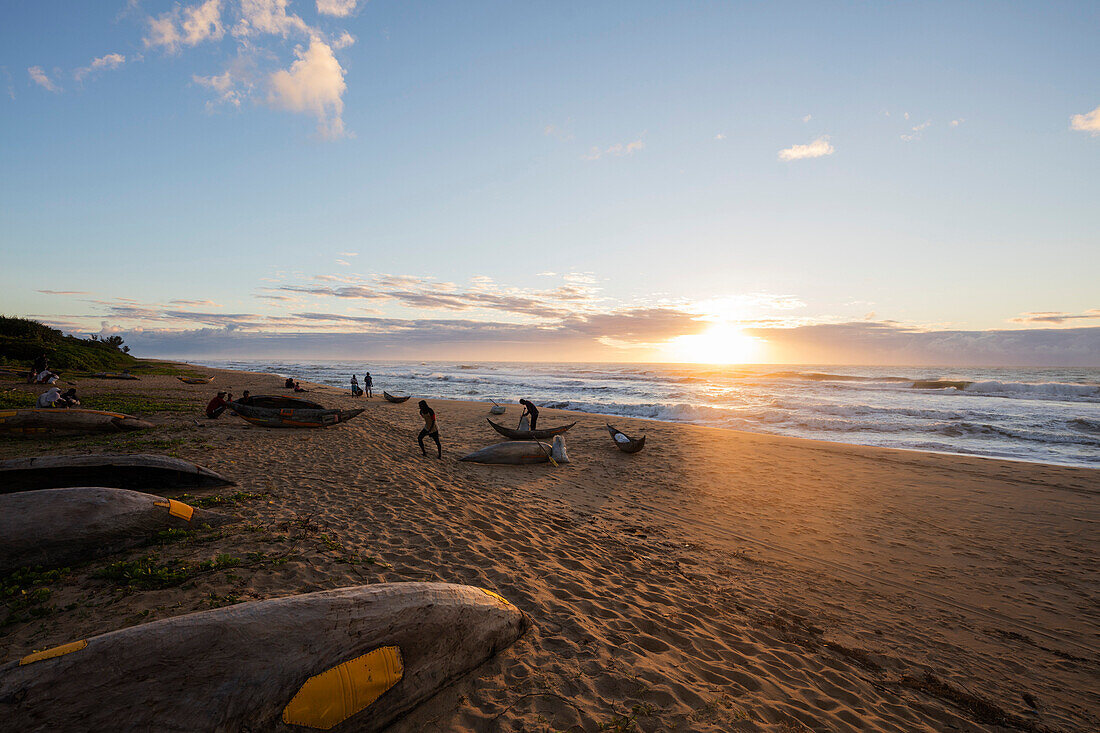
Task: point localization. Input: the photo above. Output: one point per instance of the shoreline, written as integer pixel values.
(718, 580)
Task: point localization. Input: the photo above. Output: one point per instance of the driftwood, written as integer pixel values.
(71, 420)
(54, 527)
(137, 472)
(240, 667)
(520, 452)
(540, 434)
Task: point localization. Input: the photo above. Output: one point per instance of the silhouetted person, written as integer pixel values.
(68, 399)
(530, 410)
(289, 383)
(41, 364)
(216, 406)
(367, 384)
(298, 388)
(355, 391)
(430, 430)
(48, 398)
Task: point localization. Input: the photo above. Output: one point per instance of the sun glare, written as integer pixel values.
(720, 344)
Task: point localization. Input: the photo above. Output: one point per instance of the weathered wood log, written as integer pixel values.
(137, 472)
(347, 659)
(54, 527)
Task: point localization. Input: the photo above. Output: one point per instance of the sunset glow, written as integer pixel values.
(720, 344)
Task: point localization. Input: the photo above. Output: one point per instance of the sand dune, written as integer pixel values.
(716, 581)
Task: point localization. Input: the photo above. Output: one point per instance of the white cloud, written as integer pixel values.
(349, 254)
(198, 23)
(345, 40)
(720, 136)
(339, 8)
(38, 76)
(223, 85)
(956, 123)
(110, 61)
(807, 118)
(914, 133)
(1088, 122)
(618, 149)
(268, 16)
(314, 84)
(816, 149)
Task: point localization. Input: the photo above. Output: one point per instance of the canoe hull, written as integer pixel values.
(530, 434)
(292, 418)
(54, 527)
(253, 659)
(520, 452)
(196, 380)
(632, 446)
(67, 421)
(135, 472)
(396, 400)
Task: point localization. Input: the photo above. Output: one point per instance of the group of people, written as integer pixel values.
(220, 403)
(368, 386)
(40, 372)
(290, 383)
(54, 398)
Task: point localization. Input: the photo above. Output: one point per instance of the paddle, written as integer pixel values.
(549, 456)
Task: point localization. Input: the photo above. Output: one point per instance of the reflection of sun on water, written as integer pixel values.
(720, 344)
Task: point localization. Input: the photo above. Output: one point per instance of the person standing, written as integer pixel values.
(430, 429)
(355, 391)
(531, 411)
(367, 384)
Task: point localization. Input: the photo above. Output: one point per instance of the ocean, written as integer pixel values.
(1039, 415)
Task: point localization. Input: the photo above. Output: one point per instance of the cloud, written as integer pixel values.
(339, 8)
(38, 76)
(915, 132)
(618, 150)
(956, 123)
(559, 132)
(110, 61)
(807, 118)
(222, 85)
(1056, 316)
(314, 84)
(720, 136)
(64, 292)
(1088, 122)
(270, 17)
(189, 26)
(816, 149)
(345, 40)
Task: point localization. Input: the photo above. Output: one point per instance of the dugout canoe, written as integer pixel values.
(624, 442)
(350, 659)
(541, 434)
(139, 472)
(290, 417)
(496, 410)
(397, 400)
(55, 527)
(279, 402)
(112, 375)
(520, 453)
(53, 420)
(196, 380)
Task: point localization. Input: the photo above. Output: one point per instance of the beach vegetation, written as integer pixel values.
(22, 340)
(237, 497)
(25, 592)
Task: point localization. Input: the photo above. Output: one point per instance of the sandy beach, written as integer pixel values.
(716, 581)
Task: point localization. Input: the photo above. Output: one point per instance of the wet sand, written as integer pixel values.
(716, 581)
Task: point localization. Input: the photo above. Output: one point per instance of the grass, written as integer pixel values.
(25, 593)
(129, 404)
(233, 499)
(149, 573)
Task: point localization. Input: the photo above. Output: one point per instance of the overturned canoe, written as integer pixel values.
(279, 402)
(530, 434)
(196, 380)
(624, 442)
(71, 420)
(138, 472)
(112, 375)
(520, 452)
(53, 527)
(390, 398)
(365, 655)
(291, 417)
(496, 410)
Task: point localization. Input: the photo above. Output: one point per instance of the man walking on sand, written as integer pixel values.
(367, 384)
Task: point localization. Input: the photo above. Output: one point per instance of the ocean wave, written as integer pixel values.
(1040, 391)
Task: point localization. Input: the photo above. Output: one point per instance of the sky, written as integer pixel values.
(796, 182)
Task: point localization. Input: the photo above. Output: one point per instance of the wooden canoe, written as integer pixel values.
(196, 380)
(55, 527)
(630, 445)
(137, 472)
(350, 659)
(291, 417)
(540, 434)
(112, 375)
(398, 400)
(496, 410)
(278, 402)
(53, 420)
(520, 452)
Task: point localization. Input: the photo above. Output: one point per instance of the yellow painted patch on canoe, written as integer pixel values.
(330, 698)
(7, 413)
(177, 509)
(57, 651)
(498, 596)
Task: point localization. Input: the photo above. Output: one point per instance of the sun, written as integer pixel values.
(719, 344)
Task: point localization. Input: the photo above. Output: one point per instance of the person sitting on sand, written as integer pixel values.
(41, 364)
(367, 384)
(355, 391)
(431, 429)
(49, 398)
(46, 377)
(68, 399)
(216, 406)
(244, 397)
(298, 388)
(289, 383)
(530, 410)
